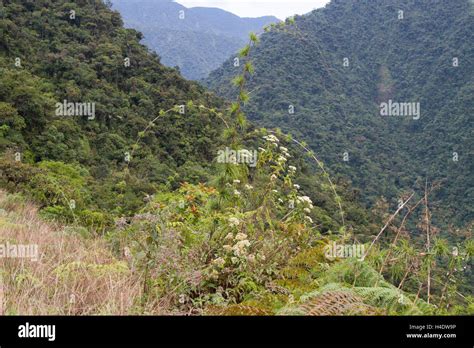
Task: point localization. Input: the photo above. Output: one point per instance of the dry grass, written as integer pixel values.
(73, 275)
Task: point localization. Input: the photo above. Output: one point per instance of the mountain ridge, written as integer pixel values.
(173, 31)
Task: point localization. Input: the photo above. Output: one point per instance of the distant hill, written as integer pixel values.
(197, 43)
(336, 65)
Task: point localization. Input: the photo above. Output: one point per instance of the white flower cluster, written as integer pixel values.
(241, 236)
(234, 222)
(305, 200)
(251, 258)
(219, 262)
(282, 159)
(285, 152)
(239, 249)
(271, 138)
(284, 155)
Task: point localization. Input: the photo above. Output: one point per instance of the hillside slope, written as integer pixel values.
(336, 66)
(197, 40)
(79, 53)
(66, 272)
(152, 194)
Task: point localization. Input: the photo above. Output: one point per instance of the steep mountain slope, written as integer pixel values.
(197, 40)
(80, 53)
(337, 65)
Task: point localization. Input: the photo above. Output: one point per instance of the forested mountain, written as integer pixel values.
(197, 40)
(336, 66)
(147, 194)
(80, 52)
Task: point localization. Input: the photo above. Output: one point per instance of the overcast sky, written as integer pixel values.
(256, 8)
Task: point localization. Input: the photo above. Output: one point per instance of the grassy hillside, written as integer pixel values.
(79, 274)
(73, 274)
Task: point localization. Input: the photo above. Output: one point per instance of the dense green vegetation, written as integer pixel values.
(197, 40)
(200, 232)
(83, 60)
(336, 65)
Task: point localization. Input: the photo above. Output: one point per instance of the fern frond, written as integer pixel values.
(393, 299)
(354, 272)
(332, 303)
(239, 310)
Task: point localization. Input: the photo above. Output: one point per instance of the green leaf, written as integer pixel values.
(253, 37)
(244, 52)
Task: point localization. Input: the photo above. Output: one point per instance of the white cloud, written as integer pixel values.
(256, 8)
